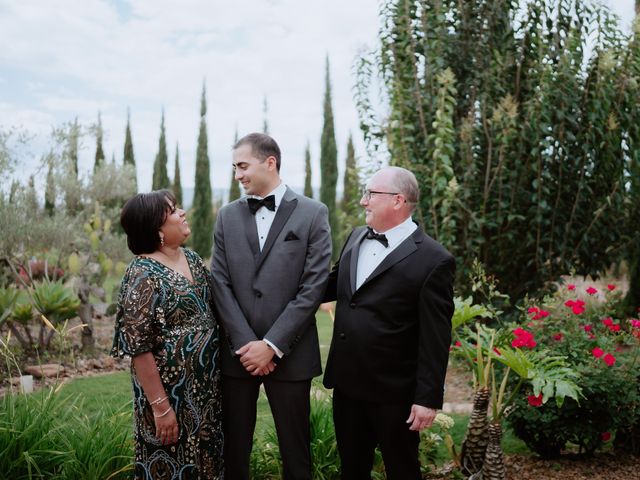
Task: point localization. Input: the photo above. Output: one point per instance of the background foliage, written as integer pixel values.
(521, 122)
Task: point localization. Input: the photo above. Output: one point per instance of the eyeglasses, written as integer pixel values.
(366, 194)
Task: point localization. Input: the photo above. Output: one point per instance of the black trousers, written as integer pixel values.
(290, 407)
(362, 426)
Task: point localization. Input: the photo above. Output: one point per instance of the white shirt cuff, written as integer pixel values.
(275, 349)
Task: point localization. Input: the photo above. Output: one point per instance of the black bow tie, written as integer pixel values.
(256, 203)
(381, 237)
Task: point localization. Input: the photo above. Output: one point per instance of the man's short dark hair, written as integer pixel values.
(141, 218)
(262, 146)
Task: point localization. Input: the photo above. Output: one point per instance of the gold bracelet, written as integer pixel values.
(158, 401)
(162, 414)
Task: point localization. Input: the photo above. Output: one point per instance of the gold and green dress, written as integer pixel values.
(162, 312)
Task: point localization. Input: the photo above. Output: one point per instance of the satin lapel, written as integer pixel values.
(406, 248)
(285, 210)
(354, 250)
(250, 229)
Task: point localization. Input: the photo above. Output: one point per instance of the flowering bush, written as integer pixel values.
(603, 349)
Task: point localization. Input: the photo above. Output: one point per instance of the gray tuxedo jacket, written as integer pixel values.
(273, 293)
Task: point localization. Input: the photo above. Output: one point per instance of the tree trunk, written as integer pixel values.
(475, 441)
(493, 468)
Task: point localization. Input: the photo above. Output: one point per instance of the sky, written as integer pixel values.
(74, 58)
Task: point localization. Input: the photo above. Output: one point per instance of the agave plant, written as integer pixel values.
(8, 297)
(56, 303)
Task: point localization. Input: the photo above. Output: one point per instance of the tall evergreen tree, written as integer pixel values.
(50, 192)
(329, 164)
(99, 159)
(160, 174)
(308, 189)
(71, 185)
(351, 185)
(129, 157)
(31, 199)
(202, 220)
(73, 141)
(234, 188)
(265, 111)
(177, 182)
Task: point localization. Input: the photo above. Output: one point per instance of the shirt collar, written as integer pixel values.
(400, 232)
(277, 192)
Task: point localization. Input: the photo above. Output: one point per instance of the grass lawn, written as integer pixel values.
(113, 392)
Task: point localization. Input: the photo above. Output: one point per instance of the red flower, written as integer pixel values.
(609, 359)
(533, 310)
(571, 287)
(523, 339)
(615, 327)
(611, 288)
(635, 323)
(458, 344)
(576, 306)
(605, 436)
(587, 328)
(597, 352)
(591, 291)
(543, 313)
(591, 336)
(607, 321)
(535, 400)
(558, 337)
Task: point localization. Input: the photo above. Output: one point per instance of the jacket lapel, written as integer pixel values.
(285, 209)
(406, 248)
(354, 251)
(250, 229)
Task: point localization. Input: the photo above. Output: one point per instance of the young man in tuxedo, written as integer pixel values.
(270, 266)
(388, 357)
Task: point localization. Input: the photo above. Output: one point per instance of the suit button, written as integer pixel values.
(259, 294)
(342, 336)
(352, 304)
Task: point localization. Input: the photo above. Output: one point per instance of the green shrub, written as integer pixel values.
(603, 350)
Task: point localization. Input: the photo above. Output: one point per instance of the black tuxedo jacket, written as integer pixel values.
(391, 336)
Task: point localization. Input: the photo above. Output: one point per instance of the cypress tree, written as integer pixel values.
(265, 123)
(202, 220)
(72, 147)
(50, 192)
(160, 174)
(308, 189)
(329, 164)
(31, 198)
(351, 186)
(177, 183)
(99, 159)
(234, 188)
(129, 157)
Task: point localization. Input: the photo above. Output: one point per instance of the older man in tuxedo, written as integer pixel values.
(390, 347)
(270, 267)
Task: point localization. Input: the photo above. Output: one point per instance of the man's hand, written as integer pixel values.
(420, 417)
(256, 357)
(271, 366)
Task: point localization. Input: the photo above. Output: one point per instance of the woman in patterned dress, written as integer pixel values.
(165, 324)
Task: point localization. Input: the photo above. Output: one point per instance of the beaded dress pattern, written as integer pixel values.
(162, 312)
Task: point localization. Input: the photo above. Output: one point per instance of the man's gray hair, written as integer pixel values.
(405, 182)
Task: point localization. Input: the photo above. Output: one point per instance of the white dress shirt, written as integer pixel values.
(264, 219)
(264, 216)
(372, 252)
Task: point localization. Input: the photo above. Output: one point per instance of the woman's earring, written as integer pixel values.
(162, 241)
